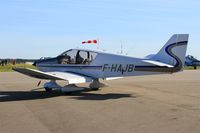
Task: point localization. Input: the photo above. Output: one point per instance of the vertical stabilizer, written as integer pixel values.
(174, 51)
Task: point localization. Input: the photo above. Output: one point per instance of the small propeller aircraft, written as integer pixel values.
(77, 66)
(191, 61)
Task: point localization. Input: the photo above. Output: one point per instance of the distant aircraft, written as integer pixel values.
(80, 66)
(191, 61)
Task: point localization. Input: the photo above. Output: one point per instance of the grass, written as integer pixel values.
(190, 68)
(8, 68)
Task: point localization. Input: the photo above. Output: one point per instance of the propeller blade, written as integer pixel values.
(39, 83)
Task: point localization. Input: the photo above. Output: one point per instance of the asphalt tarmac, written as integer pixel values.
(146, 104)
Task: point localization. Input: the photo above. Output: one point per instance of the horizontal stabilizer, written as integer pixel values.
(157, 63)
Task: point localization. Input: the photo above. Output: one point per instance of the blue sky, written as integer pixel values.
(38, 28)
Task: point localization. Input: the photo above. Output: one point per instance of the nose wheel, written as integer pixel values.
(48, 89)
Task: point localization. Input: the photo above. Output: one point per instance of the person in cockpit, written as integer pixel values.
(64, 59)
(79, 59)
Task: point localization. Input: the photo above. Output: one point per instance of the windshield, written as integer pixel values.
(77, 57)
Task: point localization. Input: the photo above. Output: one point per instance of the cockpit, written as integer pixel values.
(74, 56)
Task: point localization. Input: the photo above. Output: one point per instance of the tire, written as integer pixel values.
(68, 93)
(48, 89)
(95, 89)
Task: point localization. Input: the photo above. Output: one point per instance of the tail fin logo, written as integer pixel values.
(168, 50)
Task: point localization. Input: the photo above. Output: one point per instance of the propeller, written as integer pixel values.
(38, 86)
(39, 83)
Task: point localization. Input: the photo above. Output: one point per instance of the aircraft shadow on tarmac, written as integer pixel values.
(94, 96)
(9, 96)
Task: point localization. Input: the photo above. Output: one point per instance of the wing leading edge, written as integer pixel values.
(70, 77)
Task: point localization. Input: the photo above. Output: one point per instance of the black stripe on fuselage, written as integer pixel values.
(69, 66)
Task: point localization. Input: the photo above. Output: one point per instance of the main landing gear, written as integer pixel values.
(95, 85)
(52, 85)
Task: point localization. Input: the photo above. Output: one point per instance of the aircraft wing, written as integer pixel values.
(70, 77)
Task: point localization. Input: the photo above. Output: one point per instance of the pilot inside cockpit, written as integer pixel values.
(79, 59)
(64, 59)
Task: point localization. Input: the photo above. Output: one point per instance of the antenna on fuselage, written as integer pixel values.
(121, 47)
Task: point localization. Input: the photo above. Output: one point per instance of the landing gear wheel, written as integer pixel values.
(95, 85)
(48, 89)
(95, 89)
(67, 93)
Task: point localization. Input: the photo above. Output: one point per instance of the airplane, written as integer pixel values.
(77, 66)
(191, 61)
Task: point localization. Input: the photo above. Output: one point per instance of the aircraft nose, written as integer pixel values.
(34, 63)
